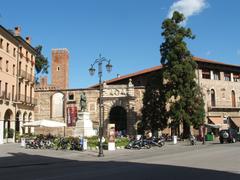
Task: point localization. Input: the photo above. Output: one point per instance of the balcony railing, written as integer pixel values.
(30, 77)
(221, 105)
(26, 99)
(22, 74)
(5, 95)
(2, 94)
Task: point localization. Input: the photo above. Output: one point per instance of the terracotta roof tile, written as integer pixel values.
(155, 68)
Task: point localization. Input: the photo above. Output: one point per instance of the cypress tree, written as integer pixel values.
(182, 94)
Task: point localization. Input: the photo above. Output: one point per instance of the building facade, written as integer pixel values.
(17, 59)
(122, 99)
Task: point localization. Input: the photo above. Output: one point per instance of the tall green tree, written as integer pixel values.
(182, 93)
(154, 111)
(41, 63)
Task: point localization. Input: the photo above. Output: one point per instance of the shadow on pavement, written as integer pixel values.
(25, 166)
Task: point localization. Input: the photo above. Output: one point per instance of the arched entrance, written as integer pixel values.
(24, 120)
(29, 119)
(17, 124)
(118, 116)
(7, 124)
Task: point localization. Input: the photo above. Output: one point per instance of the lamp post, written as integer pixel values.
(99, 61)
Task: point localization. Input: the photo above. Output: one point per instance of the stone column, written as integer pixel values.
(12, 126)
(1, 131)
(131, 119)
(231, 77)
(211, 75)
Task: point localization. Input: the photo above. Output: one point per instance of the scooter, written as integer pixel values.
(192, 140)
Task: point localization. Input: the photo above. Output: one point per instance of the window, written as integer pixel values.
(7, 47)
(6, 88)
(236, 77)
(1, 43)
(25, 95)
(14, 70)
(227, 76)
(216, 75)
(205, 73)
(31, 92)
(14, 52)
(0, 63)
(27, 56)
(213, 98)
(71, 96)
(21, 53)
(13, 87)
(7, 66)
(19, 90)
(58, 68)
(233, 99)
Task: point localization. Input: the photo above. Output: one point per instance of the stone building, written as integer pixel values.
(122, 99)
(17, 59)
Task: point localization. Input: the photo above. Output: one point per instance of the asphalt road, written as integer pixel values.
(211, 161)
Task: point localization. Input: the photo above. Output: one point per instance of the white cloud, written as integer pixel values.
(188, 7)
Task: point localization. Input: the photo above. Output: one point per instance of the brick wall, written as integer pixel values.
(60, 59)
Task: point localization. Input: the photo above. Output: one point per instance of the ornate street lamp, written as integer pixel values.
(99, 61)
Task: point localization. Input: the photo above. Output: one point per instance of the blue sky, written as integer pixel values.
(126, 31)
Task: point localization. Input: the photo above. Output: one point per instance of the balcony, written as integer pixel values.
(30, 77)
(21, 98)
(2, 95)
(22, 74)
(220, 106)
(21, 54)
(27, 100)
(28, 59)
(5, 96)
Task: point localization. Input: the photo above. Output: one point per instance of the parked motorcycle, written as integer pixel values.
(192, 140)
(138, 144)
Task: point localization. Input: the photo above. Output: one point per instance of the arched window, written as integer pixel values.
(233, 99)
(213, 98)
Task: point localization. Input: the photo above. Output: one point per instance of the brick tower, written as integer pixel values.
(60, 58)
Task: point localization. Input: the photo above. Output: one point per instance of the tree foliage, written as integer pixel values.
(183, 94)
(153, 111)
(41, 62)
(174, 93)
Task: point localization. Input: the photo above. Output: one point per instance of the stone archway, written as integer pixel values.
(118, 116)
(24, 129)
(7, 124)
(17, 123)
(29, 119)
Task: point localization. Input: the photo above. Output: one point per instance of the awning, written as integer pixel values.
(217, 120)
(212, 126)
(44, 123)
(236, 121)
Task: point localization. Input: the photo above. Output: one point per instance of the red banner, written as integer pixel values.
(71, 116)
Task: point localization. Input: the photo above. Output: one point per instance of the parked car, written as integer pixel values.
(227, 135)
